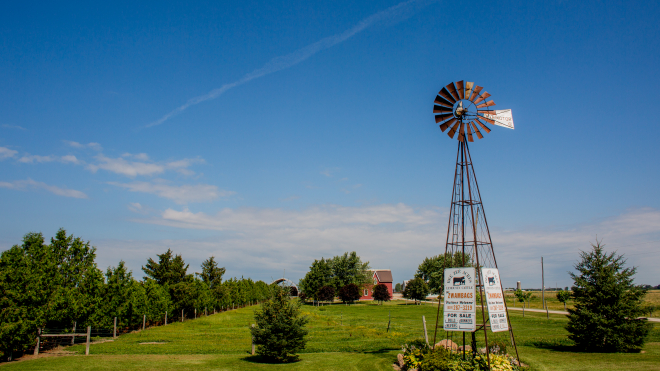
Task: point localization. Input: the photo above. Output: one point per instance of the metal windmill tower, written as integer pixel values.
(464, 110)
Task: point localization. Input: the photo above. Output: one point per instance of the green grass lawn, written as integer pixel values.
(340, 337)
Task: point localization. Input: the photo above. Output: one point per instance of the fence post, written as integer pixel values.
(144, 320)
(181, 315)
(389, 320)
(89, 332)
(36, 348)
(426, 335)
(73, 338)
(195, 313)
(253, 341)
(114, 331)
(205, 313)
(165, 318)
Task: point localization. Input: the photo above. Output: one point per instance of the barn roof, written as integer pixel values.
(384, 275)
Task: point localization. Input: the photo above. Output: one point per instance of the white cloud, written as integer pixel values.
(30, 159)
(124, 167)
(29, 183)
(138, 156)
(180, 194)
(132, 168)
(329, 172)
(70, 158)
(36, 158)
(400, 237)
(7, 153)
(92, 145)
(7, 126)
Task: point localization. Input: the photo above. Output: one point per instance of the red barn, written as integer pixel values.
(383, 276)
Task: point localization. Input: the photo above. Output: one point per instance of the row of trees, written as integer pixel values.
(54, 285)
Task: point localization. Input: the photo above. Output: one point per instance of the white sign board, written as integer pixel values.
(460, 310)
(495, 299)
(501, 117)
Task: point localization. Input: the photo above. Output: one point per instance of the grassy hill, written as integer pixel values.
(341, 338)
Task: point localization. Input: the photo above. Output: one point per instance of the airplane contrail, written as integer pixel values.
(394, 13)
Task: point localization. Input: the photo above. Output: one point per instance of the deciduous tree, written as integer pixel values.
(381, 293)
(350, 293)
(432, 269)
(416, 289)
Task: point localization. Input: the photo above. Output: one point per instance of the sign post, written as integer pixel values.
(459, 292)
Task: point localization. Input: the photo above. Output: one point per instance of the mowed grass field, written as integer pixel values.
(340, 338)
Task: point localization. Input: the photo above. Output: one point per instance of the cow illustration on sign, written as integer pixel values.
(458, 281)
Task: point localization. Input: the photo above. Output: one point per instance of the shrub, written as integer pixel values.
(349, 293)
(280, 331)
(607, 304)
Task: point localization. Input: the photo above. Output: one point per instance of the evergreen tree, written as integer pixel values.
(416, 289)
(169, 270)
(211, 273)
(381, 293)
(607, 304)
(280, 331)
(46, 286)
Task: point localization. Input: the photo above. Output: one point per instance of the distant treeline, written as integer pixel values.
(52, 285)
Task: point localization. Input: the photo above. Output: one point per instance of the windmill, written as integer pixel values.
(463, 108)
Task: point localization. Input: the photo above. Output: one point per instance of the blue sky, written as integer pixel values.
(269, 134)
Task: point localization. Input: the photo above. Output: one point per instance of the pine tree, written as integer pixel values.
(280, 331)
(169, 269)
(607, 304)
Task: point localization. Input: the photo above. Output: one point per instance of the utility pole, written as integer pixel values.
(542, 284)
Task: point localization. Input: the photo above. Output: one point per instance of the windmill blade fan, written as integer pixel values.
(463, 107)
(447, 95)
(446, 124)
(442, 101)
(459, 87)
(476, 130)
(452, 90)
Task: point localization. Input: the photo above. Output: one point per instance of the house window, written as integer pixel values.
(366, 293)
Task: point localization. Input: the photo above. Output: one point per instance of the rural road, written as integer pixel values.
(562, 312)
(536, 310)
